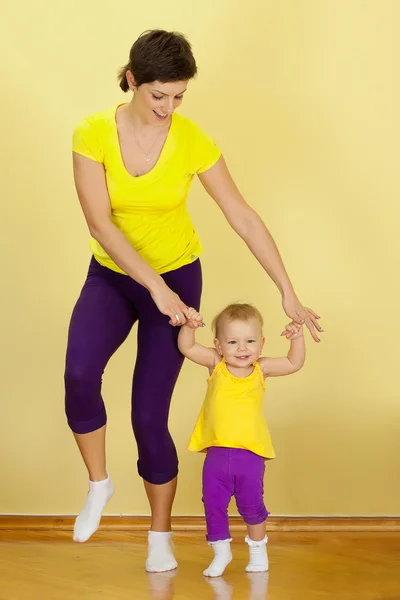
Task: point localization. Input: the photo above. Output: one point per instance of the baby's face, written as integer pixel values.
(240, 342)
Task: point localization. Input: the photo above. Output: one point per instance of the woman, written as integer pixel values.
(133, 167)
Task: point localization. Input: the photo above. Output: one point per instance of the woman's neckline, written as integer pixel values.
(162, 154)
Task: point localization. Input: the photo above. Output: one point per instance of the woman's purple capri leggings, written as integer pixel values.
(109, 304)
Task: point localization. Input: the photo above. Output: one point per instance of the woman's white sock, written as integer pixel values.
(160, 554)
(222, 558)
(88, 520)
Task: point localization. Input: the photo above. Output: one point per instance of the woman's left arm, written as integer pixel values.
(219, 184)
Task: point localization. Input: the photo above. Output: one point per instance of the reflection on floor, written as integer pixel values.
(303, 566)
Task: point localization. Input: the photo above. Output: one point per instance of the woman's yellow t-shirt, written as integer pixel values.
(150, 210)
(232, 415)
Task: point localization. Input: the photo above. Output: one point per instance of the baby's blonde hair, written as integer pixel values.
(236, 312)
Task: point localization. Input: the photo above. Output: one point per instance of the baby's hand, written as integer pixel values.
(293, 331)
(194, 319)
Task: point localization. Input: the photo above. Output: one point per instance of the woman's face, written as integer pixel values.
(157, 101)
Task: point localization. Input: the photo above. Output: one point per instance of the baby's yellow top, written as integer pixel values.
(232, 415)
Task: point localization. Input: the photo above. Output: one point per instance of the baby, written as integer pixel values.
(231, 426)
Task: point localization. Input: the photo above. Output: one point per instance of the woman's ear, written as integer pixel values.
(131, 80)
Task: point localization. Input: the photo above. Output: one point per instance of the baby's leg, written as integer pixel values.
(218, 487)
(256, 532)
(249, 494)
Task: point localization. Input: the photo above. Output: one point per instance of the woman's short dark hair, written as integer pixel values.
(159, 55)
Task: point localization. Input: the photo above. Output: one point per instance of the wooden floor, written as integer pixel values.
(303, 566)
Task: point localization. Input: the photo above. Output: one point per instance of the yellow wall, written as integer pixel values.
(300, 96)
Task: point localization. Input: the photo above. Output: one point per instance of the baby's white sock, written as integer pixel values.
(222, 590)
(222, 558)
(259, 585)
(258, 555)
(161, 556)
(88, 520)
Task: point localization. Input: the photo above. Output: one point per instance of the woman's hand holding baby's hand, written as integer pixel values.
(293, 331)
(194, 319)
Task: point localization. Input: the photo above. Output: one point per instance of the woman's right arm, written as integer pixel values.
(91, 187)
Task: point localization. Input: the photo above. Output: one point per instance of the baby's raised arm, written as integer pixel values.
(294, 361)
(201, 355)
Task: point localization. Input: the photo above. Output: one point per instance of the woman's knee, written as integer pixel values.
(84, 405)
(81, 379)
(158, 465)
